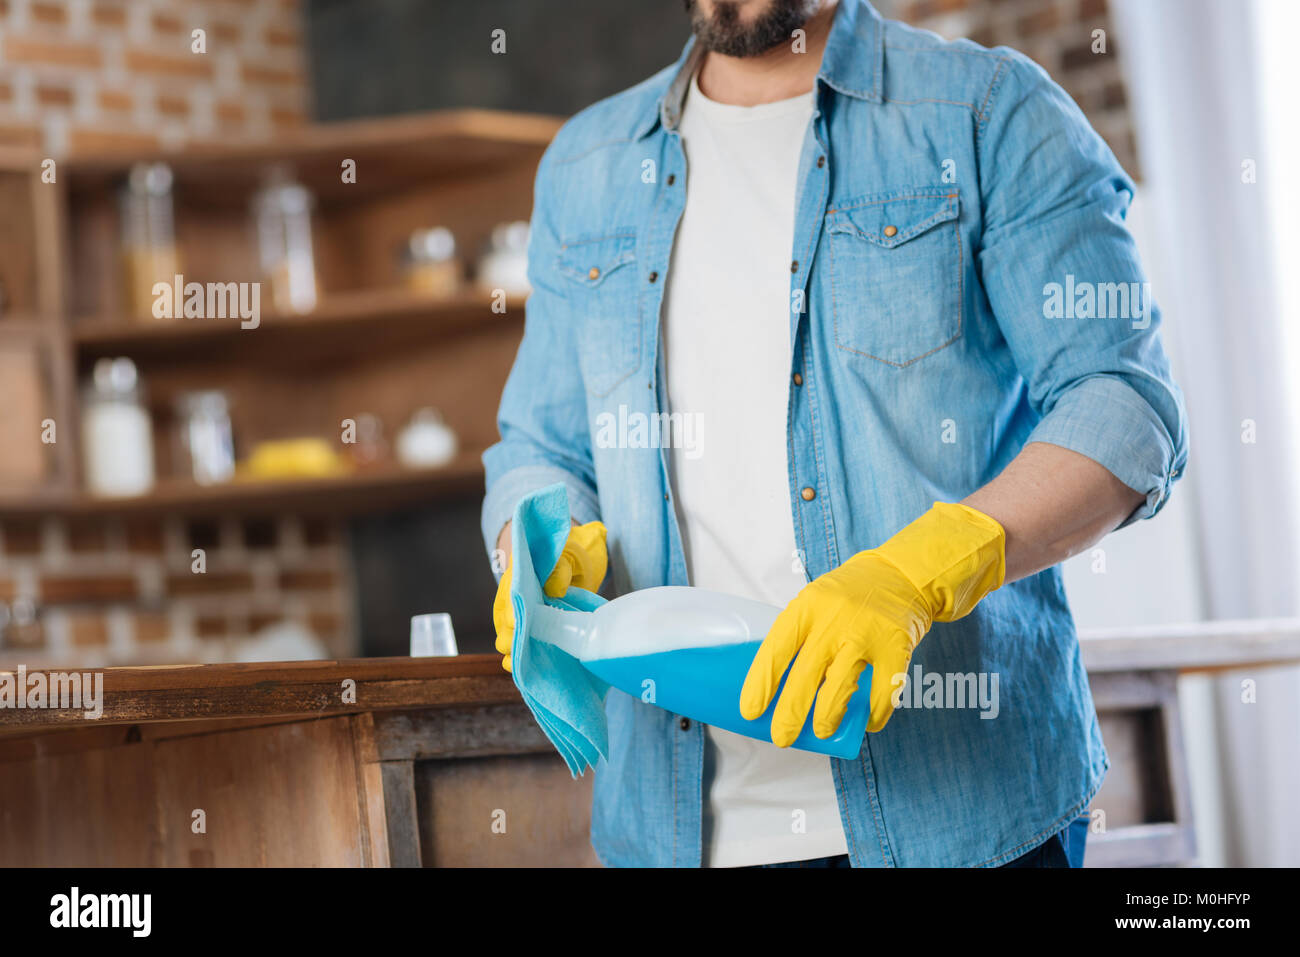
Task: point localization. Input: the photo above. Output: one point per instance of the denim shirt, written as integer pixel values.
(962, 283)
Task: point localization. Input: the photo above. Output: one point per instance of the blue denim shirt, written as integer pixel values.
(962, 283)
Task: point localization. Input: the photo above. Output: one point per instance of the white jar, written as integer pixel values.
(116, 434)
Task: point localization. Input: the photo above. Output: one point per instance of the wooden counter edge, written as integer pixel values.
(302, 689)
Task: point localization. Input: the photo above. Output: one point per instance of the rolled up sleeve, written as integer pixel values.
(1055, 201)
(543, 413)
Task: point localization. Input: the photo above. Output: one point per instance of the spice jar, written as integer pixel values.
(116, 434)
(148, 237)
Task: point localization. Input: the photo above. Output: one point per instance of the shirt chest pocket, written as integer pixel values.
(896, 274)
(600, 274)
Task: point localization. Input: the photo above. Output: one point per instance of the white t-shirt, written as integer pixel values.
(726, 327)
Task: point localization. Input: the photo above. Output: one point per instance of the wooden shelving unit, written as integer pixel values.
(369, 490)
(370, 347)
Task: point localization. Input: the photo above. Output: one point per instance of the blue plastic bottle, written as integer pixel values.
(687, 650)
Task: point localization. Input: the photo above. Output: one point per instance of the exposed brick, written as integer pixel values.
(171, 105)
(115, 101)
(1039, 21)
(1080, 57)
(165, 23)
(208, 583)
(90, 141)
(51, 14)
(53, 95)
(51, 53)
(144, 536)
(7, 589)
(1114, 96)
(305, 580)
(1089, 9)
(62, 589)
(281, 118)
(87, 629)
(325, 625)
(319, 531)
(109, 14)
(205, 535)
(25, 637)
(85, 535)
(194, 65)
(20, 134)
(279, 37)
(260, 533)
(210, 626)
(152, 627)
(22, 536)
(227, 33)
(260, 620)
(257, 75)
(230, 114)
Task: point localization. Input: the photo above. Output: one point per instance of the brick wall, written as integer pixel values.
(94, 590)
(1055, 33)
(81, 74)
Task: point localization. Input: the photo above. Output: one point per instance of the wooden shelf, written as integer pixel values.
(356, 317)
(391, 154)
(355, 493)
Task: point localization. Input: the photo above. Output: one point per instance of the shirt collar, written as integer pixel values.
(851, 64)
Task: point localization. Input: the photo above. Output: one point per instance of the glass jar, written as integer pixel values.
(116, 434)
(282, 216)
(206, 438)
(148, 225)
(430, 264)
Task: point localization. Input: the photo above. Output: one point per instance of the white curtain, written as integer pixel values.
(1203, 77)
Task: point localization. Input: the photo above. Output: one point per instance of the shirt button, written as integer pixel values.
(686, 724)
(653, 276)
(593, 273)
(794, 266)
(798, 379)
(891, 230)
(672, 178)
(808, 494)
(821, 161)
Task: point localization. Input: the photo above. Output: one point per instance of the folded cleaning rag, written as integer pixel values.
(567, 700)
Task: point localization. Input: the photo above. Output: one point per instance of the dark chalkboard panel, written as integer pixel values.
(379, 57)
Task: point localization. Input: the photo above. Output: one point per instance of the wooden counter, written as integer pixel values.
(366, 762)
(436, 761)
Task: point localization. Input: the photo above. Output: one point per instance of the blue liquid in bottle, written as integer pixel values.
(687, 650)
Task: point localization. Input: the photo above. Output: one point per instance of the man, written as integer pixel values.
(834, 242)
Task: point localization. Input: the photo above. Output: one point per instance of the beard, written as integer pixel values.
(723, 32)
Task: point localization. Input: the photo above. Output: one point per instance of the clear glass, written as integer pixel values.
(148, 225)
(282, 215)
(432, 636)
(206, 436)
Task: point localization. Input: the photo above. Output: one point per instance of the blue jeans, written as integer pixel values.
(1063, 849)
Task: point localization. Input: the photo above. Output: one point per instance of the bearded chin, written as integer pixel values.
(723, 31)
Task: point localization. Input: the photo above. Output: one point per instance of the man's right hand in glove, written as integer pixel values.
(582, 565)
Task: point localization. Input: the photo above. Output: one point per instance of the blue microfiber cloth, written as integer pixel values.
(567, 700)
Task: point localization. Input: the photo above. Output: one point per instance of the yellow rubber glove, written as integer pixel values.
(582, 564)
(874, 609)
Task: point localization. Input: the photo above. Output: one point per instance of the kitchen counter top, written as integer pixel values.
(301, 689)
